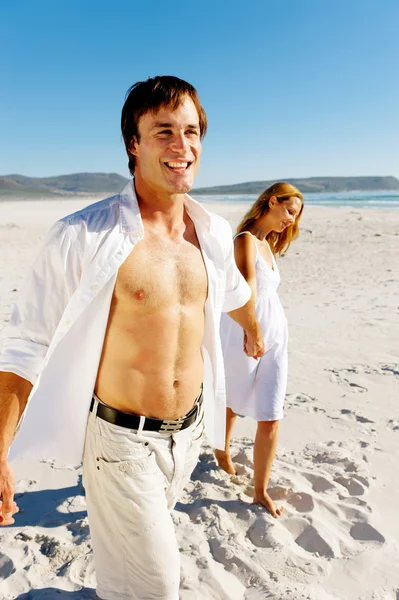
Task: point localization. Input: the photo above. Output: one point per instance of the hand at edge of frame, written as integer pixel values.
(8, 506)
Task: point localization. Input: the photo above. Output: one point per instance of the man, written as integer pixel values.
(119, 320)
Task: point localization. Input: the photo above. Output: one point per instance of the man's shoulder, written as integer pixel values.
(220, 228)
(103, 213)
(219, 221)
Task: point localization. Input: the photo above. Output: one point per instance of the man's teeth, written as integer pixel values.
(177, 165)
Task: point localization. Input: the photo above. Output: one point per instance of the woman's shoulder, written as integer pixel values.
(245, 245)
(243, 234)
(245, 240)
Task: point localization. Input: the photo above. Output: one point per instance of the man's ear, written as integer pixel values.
(133, 146)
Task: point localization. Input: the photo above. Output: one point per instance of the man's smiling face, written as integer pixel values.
(169, 149)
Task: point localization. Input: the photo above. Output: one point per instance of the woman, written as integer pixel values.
(257, 388)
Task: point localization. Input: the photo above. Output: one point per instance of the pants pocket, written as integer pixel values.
(198, 430)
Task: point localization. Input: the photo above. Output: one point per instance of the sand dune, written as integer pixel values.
(335, 471)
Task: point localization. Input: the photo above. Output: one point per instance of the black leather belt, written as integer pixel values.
(117, 417)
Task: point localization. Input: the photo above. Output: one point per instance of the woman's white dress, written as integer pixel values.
(256, 388)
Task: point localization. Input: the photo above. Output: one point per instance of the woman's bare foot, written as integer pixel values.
(224, 461)
(264, 499)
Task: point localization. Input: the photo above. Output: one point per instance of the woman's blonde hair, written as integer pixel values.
(279, 242)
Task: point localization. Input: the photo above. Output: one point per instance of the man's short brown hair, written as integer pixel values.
(150, 96)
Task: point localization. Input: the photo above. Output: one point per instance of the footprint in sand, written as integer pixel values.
(266, 534)
(244, 457)
(299, 399)
(384, 369)
(350, 386)
(21, 555)
(389, 369)
(24, 536)
(316, 409)
(23, 486)
(80, 531)
(354, 500)
(53, 464)
(311, 541)
(381, 369)
(236, 559)
(301, 501)
(336, 486)
(332, 458)
(81, 570)
(393, 425)
(319, 483)
(327, 516)
(364, 532)
(336, 376)
(354, 487)
(7, 567)
(310, 537)
(351, 414)
(48, 546)
(361, 419)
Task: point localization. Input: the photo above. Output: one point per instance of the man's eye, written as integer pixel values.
(193, 131)
(165, 132)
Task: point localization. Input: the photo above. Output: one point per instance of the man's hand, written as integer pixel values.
(14, 394)
(8, 507)
(253, 344)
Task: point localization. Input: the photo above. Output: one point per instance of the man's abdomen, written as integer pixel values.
(151, 363)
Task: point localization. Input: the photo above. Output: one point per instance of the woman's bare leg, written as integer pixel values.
(223, 457)
(264, 452)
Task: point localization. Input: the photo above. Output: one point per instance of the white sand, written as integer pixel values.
(335, 471)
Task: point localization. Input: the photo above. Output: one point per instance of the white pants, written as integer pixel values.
(132, 481)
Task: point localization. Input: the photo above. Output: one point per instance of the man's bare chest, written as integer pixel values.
(161, 273)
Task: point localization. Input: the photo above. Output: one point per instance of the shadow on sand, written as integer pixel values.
(50, 508)
(57, 594)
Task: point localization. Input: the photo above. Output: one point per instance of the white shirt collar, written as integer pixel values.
(130, 217)
(129, 211)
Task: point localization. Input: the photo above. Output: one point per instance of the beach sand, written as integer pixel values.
(337, 456)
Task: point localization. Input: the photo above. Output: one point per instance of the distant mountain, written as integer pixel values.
(112, 183)
(75, 184)
(309, 185)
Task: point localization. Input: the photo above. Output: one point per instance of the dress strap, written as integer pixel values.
(252, 236)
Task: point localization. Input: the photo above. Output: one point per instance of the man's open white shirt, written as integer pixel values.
(56, 332)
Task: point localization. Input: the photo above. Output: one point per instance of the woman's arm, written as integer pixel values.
(245, 256)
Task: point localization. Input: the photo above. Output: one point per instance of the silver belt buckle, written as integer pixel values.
(172, 426)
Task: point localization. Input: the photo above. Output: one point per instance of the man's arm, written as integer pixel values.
(45, 293)
(240, 295)
(50, 283)
(253, 339)
(14, 393)
(245, 255)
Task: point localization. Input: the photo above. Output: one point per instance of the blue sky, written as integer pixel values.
(292, 88)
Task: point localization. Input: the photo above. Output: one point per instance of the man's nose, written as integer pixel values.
(179, 142)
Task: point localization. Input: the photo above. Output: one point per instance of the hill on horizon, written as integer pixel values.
(309, 185)
(61, 185)
(111, 183)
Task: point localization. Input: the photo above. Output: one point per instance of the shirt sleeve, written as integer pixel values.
(44, 295)
(237, 292)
